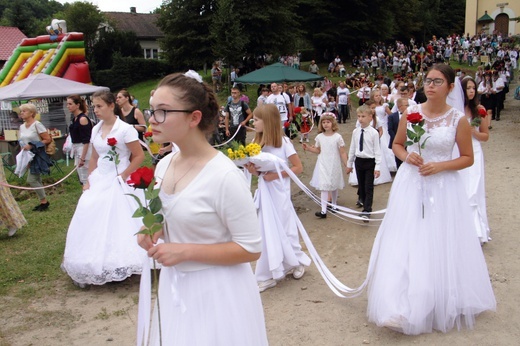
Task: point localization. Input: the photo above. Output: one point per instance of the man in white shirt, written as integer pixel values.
(342, 100)
(498, 85)
(281, 101)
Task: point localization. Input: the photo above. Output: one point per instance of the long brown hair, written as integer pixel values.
(471, 104)
(109, 99)
(272, 133)
(80, 102)
(196, 96)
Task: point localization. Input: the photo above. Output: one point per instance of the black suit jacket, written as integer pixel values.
(393, 123)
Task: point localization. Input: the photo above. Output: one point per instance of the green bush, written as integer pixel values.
(128, 71)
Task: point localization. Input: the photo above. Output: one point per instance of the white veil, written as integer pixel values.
(456, 96)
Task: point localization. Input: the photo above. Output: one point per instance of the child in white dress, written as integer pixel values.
(281, 251)
(332, 159)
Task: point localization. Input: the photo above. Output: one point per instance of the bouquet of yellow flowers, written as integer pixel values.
(240, 154)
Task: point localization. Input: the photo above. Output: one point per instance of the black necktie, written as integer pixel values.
(361, 140)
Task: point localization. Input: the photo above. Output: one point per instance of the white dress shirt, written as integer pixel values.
(371, 146)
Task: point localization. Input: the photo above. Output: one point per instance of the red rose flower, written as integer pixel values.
(482, 112)
(141, 178)
(286, 125)
(148, 134)
(112, 141)
(414, 118)
(297, 110)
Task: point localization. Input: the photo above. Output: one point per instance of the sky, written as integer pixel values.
(122, 5)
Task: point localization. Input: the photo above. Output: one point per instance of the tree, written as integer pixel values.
(228, 40)
(111, 42)
(84, 17)
(186, 25)
(30, 16)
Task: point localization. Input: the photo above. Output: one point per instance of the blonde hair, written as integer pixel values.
(29, 107)
(373, 95)
(320, 93)
(272, 133)
(364, 109)
(332, 118)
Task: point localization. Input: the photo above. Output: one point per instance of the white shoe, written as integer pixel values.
(298, 272)
(307, 140)
(264, 285)
(12, 231)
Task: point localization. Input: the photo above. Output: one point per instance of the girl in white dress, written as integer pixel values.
(281, 250)
(427, 270)
(101, 245)
(207, 291)
(382, 112)
(332, 159)
(473, 176)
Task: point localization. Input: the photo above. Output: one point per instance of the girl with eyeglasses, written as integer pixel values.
(427, 270)
(207, 291)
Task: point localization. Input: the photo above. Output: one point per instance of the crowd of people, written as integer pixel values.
(427, 269)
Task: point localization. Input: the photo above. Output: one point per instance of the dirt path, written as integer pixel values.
(306, 312)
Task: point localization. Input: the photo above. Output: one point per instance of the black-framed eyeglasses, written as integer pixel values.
(160, 114)
(435, 81)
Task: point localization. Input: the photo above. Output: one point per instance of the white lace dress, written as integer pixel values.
(328, 173)
(101, 244)
(427, 271)
(474, 180)
(382, 121)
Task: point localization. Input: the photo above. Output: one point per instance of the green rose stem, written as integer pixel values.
(414, 136)
(153, 223)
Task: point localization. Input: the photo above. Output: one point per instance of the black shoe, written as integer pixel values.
(365, 216)
(498, 119)
(359, 204)
(321, 215)
(493, 118)
(42, 207)
(333, 210)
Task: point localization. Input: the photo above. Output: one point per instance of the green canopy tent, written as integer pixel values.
(277, 73)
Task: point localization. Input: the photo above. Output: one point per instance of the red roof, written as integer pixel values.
(10, 37)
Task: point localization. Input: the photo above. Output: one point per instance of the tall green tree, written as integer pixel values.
(186, 26)
(30, 16)
(84, 17)
(227, 33)
(124, 43)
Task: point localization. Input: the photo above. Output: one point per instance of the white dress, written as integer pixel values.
(101, 244)
(328, 173)
(428, 272)
(281, 249)
(474, 180)
(203, 304)
(384, 172)
(382, 121)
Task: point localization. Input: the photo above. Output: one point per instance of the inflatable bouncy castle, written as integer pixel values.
(59, 54)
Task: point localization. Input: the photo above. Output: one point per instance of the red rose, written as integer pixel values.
(482, 112)
(141, 178)
(112, 141)
(148, 134)
(286, 125)
(414, 118)
(297, 110)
